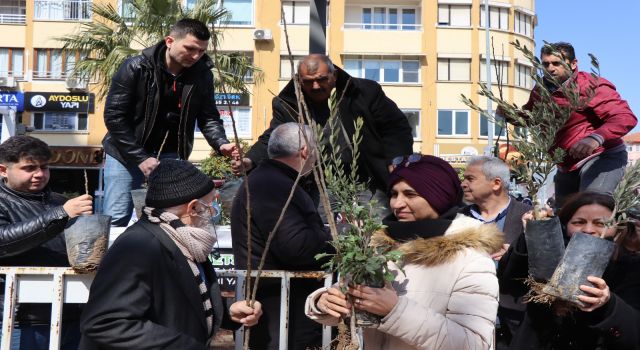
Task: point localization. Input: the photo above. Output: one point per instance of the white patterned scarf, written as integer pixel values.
(195, 244)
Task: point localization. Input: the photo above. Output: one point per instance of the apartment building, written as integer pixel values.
(424, 53)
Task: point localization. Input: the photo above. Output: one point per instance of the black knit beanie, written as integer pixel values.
(175, 182)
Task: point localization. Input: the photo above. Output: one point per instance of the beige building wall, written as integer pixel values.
(346, 38)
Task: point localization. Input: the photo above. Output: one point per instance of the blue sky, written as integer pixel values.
(610, 30)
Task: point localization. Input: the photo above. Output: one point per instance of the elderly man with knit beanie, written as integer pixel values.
(446, 295)
(155, 288)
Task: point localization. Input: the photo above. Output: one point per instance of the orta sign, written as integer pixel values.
(13, 100)
(59, 102)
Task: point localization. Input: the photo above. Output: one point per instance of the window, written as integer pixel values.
(498, 17)
(454, 15)
(498, 128)
(384, 70)
(390, 18)
(59, 121)
(522, 23)
(497, 67)
(240, 11)
(413, 115)
(523, 76)
(296, 12)
(11, 62)
(127, 10)
(454, 69)
(62, 10)
(241, 58)
(13, 11)
(54, 63)
(453, 123)
(285, 66)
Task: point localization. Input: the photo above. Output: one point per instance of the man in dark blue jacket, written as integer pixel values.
(32, 219)
(152, 108)
(299, 237)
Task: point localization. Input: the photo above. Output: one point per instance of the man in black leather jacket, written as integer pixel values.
(153, 105)
(32, 219)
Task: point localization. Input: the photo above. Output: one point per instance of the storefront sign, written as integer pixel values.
(12, 99)
(455, 159)
(232, 99)
(59, 102)
(80, 157)
(224, 262)
(242, 117)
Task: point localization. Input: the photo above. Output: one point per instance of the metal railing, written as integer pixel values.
(54, 285)
(383, 26)
(285, 288)
(8, 18)
(59, 285)
(65, 10)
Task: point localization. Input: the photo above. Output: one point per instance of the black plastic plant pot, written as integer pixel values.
(87, 238)
(366, 319)
(545, 247)
(138, 197)
(586, 255)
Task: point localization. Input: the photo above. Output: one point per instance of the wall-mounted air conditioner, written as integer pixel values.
(262, 34)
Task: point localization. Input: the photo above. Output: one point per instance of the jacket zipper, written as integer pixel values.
(153, 113)
(183, 113)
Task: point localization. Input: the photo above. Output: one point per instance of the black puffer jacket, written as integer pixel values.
(31, 228)
(133, 102)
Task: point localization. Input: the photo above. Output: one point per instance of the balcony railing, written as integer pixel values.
(382, 26)
(56, 10)
(8, 18)
(11, 73)
(49, 75)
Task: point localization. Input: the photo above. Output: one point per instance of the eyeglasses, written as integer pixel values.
(309, 80)
(212, 207)
(405, 161)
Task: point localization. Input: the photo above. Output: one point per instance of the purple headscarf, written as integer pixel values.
(434, 179)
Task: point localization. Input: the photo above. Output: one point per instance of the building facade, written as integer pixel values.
(424, 53)
(632, 141)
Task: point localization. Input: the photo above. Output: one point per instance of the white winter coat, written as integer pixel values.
(448, 293)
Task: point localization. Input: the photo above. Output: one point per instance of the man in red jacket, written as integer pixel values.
(592, 137)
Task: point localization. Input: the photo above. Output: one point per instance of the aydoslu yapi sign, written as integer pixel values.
(59, 102)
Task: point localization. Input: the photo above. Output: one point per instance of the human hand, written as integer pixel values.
(528, 216)
(378, 301)
(248, 316)
(237, 165)
(597, 296)
(333, 302)
(228, 149)
(81, 205)
(583, 148)
(148, 165)
(497, 255)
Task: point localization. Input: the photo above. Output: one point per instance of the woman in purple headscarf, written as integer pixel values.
(446, 296)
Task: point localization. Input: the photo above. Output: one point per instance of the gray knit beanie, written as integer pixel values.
(174, 182)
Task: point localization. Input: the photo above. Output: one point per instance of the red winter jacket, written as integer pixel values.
(607, 117)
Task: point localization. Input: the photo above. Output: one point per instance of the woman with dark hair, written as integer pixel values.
(610, 317)
(446, 296)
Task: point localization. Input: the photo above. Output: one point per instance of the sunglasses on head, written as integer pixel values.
(405, 161)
